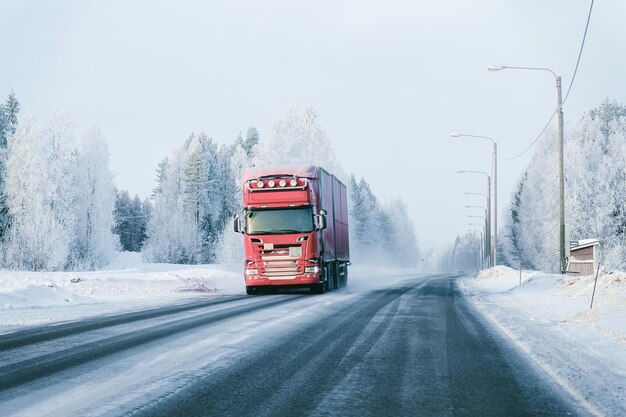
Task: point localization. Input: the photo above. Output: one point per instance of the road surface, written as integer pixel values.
(415, 349)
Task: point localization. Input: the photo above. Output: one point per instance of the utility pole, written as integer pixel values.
(562, 259)
(561, 170)
(493, 249)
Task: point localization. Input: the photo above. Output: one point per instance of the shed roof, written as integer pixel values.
(585, 243)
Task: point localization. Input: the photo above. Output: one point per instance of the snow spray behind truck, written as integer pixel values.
(295, 226)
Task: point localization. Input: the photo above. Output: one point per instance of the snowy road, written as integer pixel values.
(418, 348)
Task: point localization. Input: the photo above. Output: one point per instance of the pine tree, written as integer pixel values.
(252, 139)
(8, 123)
(161, 176)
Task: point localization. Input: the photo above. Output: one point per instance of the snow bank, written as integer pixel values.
(549, 317)
(563, 297)
(28, 298)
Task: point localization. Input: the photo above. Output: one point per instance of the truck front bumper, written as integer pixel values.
(264, 280)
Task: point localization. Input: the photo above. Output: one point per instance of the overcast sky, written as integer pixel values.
(389, 79)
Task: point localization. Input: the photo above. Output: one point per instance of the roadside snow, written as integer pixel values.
(29, 298)
(127, 283)
(549, 318)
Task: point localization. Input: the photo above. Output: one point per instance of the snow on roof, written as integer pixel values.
(302, 171)
(583, 243)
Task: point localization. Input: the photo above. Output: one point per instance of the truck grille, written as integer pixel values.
(281, 262)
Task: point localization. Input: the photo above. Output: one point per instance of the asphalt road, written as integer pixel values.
(417, 349)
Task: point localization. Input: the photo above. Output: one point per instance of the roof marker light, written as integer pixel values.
(282, 183)
(260, 184)
(271, 183)
(293, 183)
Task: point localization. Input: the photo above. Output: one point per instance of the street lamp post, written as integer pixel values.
(485, 227)
(561, 170)
(481, 247)
(495, 189)
(489, 214)
(483, 244)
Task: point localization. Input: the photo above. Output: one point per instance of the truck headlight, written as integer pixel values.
(251, 271)
(311, 269)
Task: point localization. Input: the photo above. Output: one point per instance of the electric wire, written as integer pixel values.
(569, 89)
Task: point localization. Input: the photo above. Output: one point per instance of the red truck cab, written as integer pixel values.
(295, 226)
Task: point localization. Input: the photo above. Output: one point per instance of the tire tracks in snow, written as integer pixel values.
(44, 365)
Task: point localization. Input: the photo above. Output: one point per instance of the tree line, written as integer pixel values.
(60, 209)
(595, 198)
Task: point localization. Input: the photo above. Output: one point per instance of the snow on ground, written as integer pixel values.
(29, 298)
(549, 317)
(127, 283)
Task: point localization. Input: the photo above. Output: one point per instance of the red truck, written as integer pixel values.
(295, 226)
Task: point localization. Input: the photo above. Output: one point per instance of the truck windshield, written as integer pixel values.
(279, 221)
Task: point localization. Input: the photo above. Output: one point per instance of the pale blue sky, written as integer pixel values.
(390, 81)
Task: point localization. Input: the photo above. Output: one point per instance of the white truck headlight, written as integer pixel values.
(311, 269)
(251, 271)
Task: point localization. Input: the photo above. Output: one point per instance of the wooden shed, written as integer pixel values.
(582, 259)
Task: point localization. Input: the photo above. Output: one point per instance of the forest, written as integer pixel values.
(60, 208)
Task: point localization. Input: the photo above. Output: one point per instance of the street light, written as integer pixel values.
(488, 247)
(495, 189)
(561, 171)
(483, 195)
(481, 246)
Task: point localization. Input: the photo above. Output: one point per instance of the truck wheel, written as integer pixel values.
(329, 272)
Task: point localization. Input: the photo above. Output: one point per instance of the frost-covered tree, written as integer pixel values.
(595, 174)
(40, 196)
(405, 247)
(252, 139)
(161, 176)
(94, 241)
(380, 233)
(464, 255)
(10, 112)
(189, 208)
(59, 196)
(298, 139)
(230, 245)
(8, 123)
(172, 230)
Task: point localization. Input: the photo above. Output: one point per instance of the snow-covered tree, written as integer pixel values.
(595, 174)
(94, 241)
(40, 196)
(252, 139)
(298, 139)
(464, 255)
(8, 123)
(380, 233)
(190, 193)
(405, 247)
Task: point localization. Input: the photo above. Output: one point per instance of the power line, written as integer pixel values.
(569, 89)
(580, 53)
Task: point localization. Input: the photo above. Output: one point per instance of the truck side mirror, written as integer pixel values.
(322, 223)
(236, 223)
